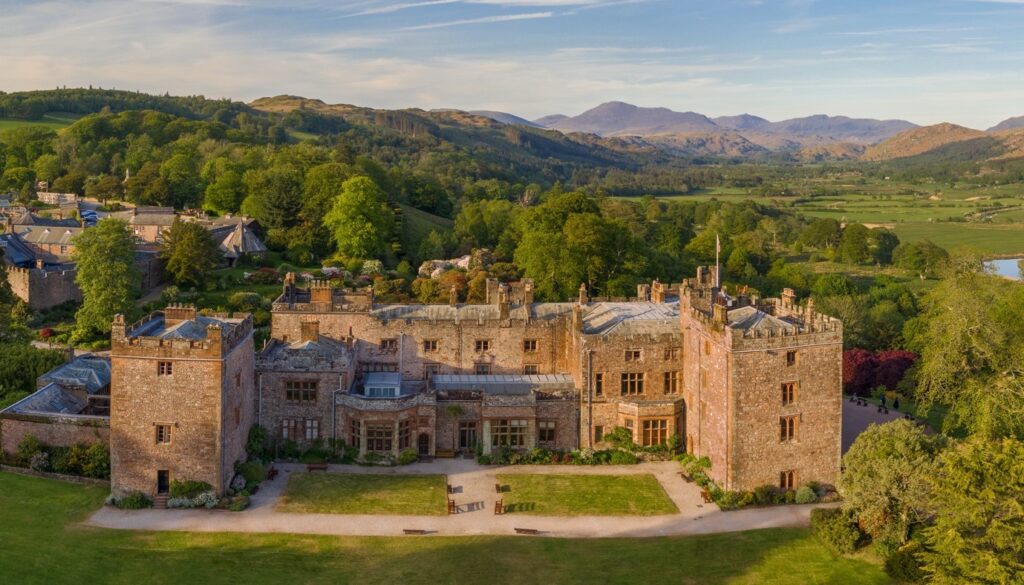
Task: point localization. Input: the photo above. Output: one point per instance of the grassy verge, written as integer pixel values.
(586, 495)
(43, 543)
(331, 493)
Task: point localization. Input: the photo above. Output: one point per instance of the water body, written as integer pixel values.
(1007, 267)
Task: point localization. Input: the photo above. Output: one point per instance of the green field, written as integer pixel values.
(54, 121)
(418, 224)
(585, 495)
(334, 493)
(43, 543)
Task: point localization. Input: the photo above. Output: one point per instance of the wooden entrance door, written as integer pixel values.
(163, 481)
(423, 444)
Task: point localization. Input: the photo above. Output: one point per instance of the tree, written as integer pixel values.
(107, 276)
(275, 196)
(190, 253)
(923, 257)
(978, 491)
(882, 242)
(972, 348)
(360, 219)
(854, 248)
(225, 193)
(182, 176)
(822, 233)
(886, 479)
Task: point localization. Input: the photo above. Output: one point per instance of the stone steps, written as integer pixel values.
(160, 502)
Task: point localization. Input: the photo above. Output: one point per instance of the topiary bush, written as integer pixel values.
(806, 495)
(836, 529)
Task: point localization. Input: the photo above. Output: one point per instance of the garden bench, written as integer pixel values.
(444, 454)
(497, 488)
(707, 496)
(499, 507)
(311, 467)
(527, 531)
(413, 531)
(451, 506)
(451, 490)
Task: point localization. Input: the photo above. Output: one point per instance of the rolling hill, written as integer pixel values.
(920, 141)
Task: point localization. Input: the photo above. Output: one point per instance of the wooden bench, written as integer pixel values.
(497, 488)
(451, 490)
(499, 507)
(311, 467)
(686, 477)
(451, 506)
(527, 531)
(413, 531)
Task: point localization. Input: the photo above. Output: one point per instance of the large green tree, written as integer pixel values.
(107, 276)
(190, 253)
(886, 479)
(11, 326)
(972, 350)
(978, 535)
(360, 219)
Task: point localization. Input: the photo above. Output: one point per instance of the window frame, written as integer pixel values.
(672, 381)
(789, 428)
(481, 345)
(509, 432)
(547, 432)
(162, 434)
(632, 355)
(164, 368)
(430, 345)
(631, 383)
(530, 346)
(789, 391)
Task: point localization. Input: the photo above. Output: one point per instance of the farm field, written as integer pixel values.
(53, 121)
(44, 543)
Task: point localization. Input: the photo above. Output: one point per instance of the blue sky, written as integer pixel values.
(926, 61)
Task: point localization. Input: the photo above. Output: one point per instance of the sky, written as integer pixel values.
(926, 61)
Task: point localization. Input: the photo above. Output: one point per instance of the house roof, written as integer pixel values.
(238, 241)
(32, 219)
(87, 371)
(538, 311)
(194, 329)
(50, 399)
(750, 318)
(39, 235)
(16, 252)
(636, 318)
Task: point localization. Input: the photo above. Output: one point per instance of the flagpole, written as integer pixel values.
(718, 269)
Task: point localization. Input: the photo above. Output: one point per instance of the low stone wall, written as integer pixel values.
(57, 476)
(54, 430)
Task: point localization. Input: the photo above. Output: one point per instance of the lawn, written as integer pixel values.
(42, 543)
(335, 493)
(585, 495)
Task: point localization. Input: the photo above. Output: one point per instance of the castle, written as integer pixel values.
(753, 384)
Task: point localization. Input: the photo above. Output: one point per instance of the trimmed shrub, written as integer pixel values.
(904, 566)
(483, 459)
(766, 495)
(806, 495)
(189, 489)
(407, 456)
(836, 529)
(252, 471)
(622, 458)
(132, 501)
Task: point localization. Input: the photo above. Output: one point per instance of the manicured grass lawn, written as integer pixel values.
(42, 543)
(585, 495)
(335, 493)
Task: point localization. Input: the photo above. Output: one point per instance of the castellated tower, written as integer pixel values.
(182, 399)
(763, 386)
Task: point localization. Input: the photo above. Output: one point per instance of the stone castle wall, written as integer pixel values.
(43, 289)
(54, 430)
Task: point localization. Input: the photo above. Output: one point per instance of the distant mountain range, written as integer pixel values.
(816, 138)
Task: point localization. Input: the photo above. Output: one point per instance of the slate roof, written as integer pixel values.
(299, 351)
(31, 219)
(504, 384)
(87, 371)
(538, 311)
(235, 242)
(34, 234)
(51, 399)
(632, 318)
(16, 252)
(751, 318)
(194, 329)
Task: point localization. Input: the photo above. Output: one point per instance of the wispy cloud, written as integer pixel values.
(482, 20)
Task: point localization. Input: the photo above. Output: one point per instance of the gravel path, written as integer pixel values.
(475, 497)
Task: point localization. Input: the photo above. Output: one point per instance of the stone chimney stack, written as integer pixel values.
(643, 292)
(720, 313)
(527, 291)
(453, 296)
(309, 331)
(214, 334)
(320, 292)
(8, 224)
(584, 299)
(118, 330)
(40, 264)
(503, 301)
(492, 291)
(788, 298)
(810, 311)
(175, 313)
(657, 292)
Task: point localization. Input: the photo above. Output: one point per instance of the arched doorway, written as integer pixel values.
(423, 444)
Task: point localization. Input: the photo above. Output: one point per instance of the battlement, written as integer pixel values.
(320, 297)
(180, 331)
